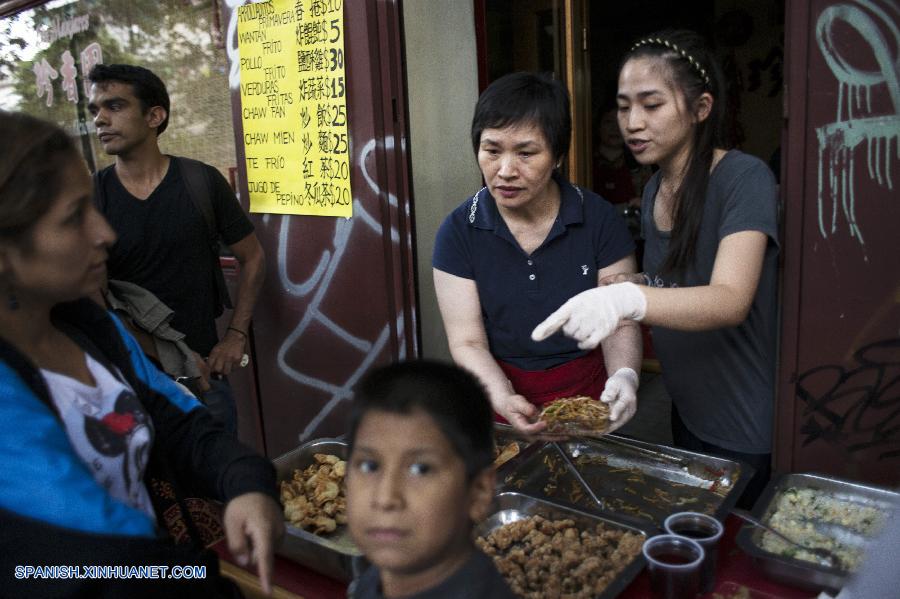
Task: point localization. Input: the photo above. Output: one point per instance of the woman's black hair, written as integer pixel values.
(34, 159)
(693, 70)
(525, 98)
(452, 397)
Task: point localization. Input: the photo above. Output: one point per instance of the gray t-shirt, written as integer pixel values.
(723, 381)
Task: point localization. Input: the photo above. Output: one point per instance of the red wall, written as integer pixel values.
(339, 295)
(839, 382)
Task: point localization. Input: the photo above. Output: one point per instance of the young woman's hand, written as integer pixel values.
(620, 393)
(592, 315)
(254, 525)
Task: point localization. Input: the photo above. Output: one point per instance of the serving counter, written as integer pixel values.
(626, 484)
(735, 570)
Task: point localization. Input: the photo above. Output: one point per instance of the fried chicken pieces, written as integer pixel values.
(552, 559)
(315, 499)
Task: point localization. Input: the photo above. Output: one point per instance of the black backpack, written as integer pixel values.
(199, 189)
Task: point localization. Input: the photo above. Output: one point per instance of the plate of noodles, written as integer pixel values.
(576, 416)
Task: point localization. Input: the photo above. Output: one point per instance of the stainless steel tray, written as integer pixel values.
(799, 572)
(511, 507)
(333, 555)
(636, 481)
(505, 434)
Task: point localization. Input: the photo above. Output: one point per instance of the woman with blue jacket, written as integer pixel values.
(98, 449)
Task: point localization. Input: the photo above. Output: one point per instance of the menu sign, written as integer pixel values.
(294, 107)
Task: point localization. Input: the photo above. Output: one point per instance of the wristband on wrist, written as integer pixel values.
(242, 333)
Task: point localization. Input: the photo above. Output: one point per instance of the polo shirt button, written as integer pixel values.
(531, 277)
(530, 262)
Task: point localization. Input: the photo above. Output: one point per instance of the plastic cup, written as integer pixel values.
(673, 563)
(707, 531)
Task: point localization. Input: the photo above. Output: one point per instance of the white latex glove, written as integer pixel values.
(620, 393)
(592, 315)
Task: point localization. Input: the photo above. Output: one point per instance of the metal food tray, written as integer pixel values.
(636, 481)
(809, 575)
(505, 434)
(334, 554)
(510, 507)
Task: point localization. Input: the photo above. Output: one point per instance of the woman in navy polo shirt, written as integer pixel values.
(523, 244)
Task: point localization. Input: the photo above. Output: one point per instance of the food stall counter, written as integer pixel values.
(736, 577)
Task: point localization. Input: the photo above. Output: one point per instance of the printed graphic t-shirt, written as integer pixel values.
(109, 429)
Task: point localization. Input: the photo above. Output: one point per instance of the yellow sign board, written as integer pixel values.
(294, 107)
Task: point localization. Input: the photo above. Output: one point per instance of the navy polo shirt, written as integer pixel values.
(518, 291)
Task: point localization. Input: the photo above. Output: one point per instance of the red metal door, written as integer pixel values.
(339, 296)
(839, 382)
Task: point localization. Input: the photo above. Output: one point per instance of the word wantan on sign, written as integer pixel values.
(294, 107)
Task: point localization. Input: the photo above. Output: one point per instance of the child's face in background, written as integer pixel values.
(409, 505)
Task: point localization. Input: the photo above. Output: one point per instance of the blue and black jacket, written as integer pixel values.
(53, 512)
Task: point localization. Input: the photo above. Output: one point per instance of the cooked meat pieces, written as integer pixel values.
(542, 558)
(315, 498)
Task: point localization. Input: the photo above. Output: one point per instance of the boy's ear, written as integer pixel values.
(481, 494)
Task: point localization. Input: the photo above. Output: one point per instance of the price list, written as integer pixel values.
(294, 107)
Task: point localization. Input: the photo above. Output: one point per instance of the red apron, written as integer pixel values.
(582, 376)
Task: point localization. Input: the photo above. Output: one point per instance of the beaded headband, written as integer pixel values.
(661, 42)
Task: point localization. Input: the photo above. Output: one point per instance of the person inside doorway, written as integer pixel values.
(618, 177)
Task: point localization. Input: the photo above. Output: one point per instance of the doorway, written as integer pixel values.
(582, 41)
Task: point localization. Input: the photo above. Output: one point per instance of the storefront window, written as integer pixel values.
(46, 53)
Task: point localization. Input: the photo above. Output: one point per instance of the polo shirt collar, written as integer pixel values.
(483, 213)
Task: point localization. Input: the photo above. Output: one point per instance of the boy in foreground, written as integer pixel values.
(419, 476)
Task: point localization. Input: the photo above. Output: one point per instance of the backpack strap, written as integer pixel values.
(200, 190)
(99, 195)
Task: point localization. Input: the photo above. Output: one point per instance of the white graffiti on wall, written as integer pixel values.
(234, 57)
(855, 125)
(317, 285)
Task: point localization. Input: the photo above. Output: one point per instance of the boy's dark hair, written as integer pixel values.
(524, 98)
(148, 88)
(453, 398)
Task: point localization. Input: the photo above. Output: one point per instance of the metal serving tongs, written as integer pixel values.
(825, 556)
(643, 450)
(574, 470)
